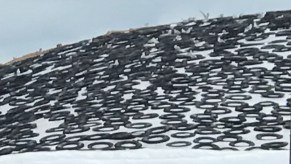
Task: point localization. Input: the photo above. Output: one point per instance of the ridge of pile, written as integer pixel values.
(221, 84)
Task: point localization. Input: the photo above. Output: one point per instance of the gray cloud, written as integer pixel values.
(26, 26)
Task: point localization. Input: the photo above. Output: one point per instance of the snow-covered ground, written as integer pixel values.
(149, 156)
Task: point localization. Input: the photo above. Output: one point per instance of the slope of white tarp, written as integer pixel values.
(149, 156)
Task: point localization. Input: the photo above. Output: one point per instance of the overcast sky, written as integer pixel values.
(27, 25)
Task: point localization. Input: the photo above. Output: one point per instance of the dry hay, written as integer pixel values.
(27, 56)
(43, 52)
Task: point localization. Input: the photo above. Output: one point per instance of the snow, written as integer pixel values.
(146, 156)
(150, 45)
(190, 24)
(8, 76)
(154, 40)
(81, 94)
(187, 31)
(69, 51)
(160, 91)
(178, 37)
(128, 96)
(173, 25)
(108, 88)
(5, 108)
(63, 67)
(42, 131)
(142, 85)
(47, 70)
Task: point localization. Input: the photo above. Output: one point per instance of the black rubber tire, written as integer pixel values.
(204, 105)
(184, 127)
(75, 130)
(276, 121)
(77, 138)
(108, 145)
(272, 95)
(149, 139)
(103, 129)
(145, 116)
(98, 136)
(262, 135)
(4, 151)
(76, 146)
(138, 125)
(237, 131)
(207, 131)
(172, 116)
(121, 136)
(204, 117)
(179, 144)
(212, 146)
(233, 120)
(234, 144)
(267, 129)
(281, 110)
(200, 140)
(158, 130)
(234, 104)
(56, 129)
(21, 144)
(223, 138)
(249, 109)
(274, 145)
(218, 111)
(53, 137)
(238, 97)
(177, 110)
(266, 103)
(229, 148)
(173, 122)
(183, 135)
(122, 145)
